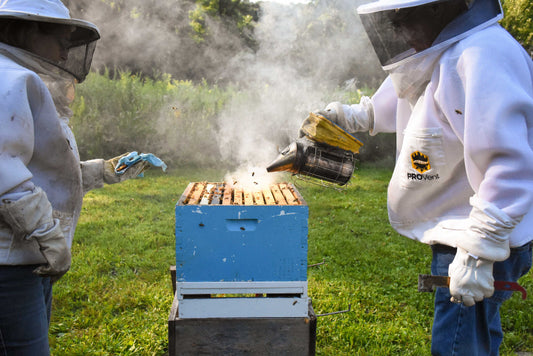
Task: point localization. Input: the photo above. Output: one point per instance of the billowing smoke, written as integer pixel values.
(302, 57)
(304, 53)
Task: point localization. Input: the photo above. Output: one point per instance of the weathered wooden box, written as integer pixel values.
(241, 336)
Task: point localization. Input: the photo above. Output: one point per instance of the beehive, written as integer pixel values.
(241, 242)
(225, 234)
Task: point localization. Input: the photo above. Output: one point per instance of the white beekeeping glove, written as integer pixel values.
(352, 118)
(30, 217)
(484, 241)
(471, 278)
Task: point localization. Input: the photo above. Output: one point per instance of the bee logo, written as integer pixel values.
(420, 162)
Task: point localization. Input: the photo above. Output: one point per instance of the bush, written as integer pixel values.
(175, 119)
(518, 21)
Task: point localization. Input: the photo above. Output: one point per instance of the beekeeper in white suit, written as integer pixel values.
(42, 181)
(459, 96)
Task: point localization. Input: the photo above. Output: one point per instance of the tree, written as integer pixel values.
(189, 39)
(518, 21)
(236, 16)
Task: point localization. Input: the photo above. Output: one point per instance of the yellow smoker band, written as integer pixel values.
(320, 129)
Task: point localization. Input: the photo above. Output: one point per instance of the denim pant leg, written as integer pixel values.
(476, 330)
(25, 301)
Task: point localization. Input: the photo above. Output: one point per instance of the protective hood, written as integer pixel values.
(385, 5)
(410, 69)
(83, 37)
(398, 28)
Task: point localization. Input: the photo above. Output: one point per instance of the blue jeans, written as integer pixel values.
(476, 330)
(25, 306)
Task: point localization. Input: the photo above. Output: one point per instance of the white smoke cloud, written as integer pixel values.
(302, 56)
(253, 132)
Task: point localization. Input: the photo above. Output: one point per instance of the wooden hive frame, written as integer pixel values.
(206, 193)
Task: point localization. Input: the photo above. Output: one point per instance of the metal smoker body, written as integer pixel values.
(310, 158)
(326, 152)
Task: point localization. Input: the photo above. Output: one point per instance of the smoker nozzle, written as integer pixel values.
(286, 160)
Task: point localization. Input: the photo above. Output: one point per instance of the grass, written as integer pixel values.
(117, 296)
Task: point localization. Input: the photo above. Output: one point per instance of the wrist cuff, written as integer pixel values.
(488, 232)
(92, 174)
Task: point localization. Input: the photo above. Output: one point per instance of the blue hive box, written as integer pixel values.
(241, 243)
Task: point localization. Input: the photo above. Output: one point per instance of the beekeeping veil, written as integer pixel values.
(409, 36)
(84, 35)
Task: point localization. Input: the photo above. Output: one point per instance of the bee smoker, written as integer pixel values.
(325, 151)
(317, 160)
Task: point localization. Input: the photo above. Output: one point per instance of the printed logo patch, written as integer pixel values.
(420, 162)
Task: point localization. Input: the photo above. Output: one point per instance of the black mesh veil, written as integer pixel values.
(394, 33)
(81, 45)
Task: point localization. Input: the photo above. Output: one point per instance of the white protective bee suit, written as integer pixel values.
(38, 152)
(462, 111)
(43, 52)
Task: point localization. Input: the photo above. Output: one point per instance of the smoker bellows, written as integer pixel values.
(237, 242)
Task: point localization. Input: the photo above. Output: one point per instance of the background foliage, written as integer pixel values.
(177, 120)
(200, 39)
(518, 21)
(139, 97)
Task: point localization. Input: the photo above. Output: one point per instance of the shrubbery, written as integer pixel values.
(176, 120)
(518, 21)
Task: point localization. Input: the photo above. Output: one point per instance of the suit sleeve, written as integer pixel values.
(21, 100)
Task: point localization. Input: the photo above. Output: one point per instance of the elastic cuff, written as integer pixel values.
(367, 105)
(485, 248)
(92, 174)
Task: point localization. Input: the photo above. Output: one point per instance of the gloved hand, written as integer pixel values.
(352, 118)
(334, 112)
(471, 278)
(55, 250)
(31, 217)
(111, 177)
(481, 240)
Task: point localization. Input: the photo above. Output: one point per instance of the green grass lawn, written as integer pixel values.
(117, 296)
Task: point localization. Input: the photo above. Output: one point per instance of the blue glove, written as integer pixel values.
(132, 158)
(129, 165)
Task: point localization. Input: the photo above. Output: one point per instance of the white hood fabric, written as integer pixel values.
(411, 75)
(385, 5)
(42, 9)
(51, 11)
